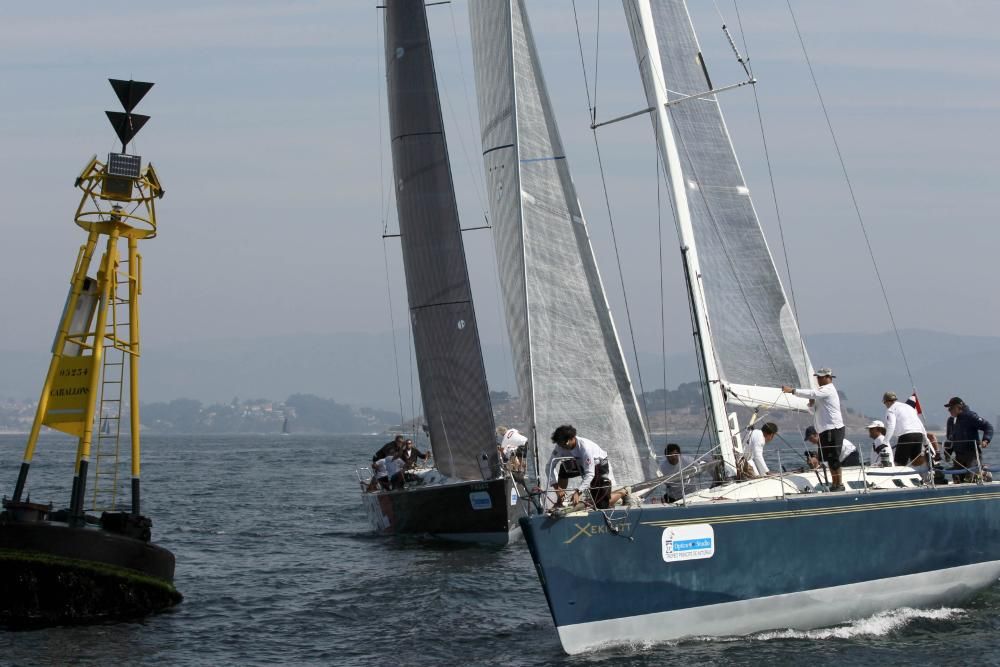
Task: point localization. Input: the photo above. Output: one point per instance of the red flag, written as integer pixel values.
(914, 402)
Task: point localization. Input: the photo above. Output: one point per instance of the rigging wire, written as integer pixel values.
(505, 343)
(850, 188)
(663, 316)
(413, 409)
(770, 175)
(611, 220)
(392, 324)
(583, 65)
(384, 209)
(597, 56)
(767, 159)
(480, 188)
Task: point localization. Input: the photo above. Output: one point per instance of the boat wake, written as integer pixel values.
(879, 625)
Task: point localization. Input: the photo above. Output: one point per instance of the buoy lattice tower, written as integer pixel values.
(95, 355)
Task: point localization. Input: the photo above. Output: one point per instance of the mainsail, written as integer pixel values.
(445, 336)
(567, 358)
(749, 330)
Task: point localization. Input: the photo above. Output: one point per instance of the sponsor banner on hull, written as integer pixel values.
(480, 500)
(687, 542)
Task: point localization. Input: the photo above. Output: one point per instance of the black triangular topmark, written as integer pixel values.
(130, 92)
(126, 124)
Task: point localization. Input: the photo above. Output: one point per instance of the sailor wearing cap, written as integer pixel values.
(828, 421)
(962, 438)
(902, 421)
(881, 450)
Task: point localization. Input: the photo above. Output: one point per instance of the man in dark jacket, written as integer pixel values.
(410, 454)
(962, 438)
(388, 448)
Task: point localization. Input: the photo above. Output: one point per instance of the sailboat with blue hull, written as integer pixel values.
(750, 553)
(738, 567)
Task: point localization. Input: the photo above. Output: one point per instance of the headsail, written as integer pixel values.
(445, 336)
(750, 329)
(568, 361)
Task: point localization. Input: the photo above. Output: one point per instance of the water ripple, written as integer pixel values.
(277, 566)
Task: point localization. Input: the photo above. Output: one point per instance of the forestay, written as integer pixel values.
(568, 361)
(753, 334)
(445, 336)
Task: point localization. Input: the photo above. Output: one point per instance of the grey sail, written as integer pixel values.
(568, 361)
(755, 339)
(445, 336)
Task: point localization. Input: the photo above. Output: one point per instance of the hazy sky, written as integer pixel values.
(266, 124)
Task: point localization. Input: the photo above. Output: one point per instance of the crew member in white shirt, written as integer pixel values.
(589, 462)
(395, 467)
(380, 476)
(881, 450)
(755, 447)
(828, 421)
(903, 423)
(389, 472)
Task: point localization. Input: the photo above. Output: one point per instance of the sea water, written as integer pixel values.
(278, 567)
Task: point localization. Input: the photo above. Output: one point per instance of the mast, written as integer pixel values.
(450, 365)
(689, 252)
(748, 341)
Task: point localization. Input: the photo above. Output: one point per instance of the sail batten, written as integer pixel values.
(568, 361)
(446, 341)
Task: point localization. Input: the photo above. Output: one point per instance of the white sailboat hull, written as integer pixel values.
(804, 610)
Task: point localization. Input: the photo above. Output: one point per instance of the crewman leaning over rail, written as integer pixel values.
(962, 438)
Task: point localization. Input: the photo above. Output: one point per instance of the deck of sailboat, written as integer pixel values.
(856, 479)
(796, 484)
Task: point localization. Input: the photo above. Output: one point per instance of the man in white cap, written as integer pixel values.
(828, 421)
(881, 449)
(903, 422)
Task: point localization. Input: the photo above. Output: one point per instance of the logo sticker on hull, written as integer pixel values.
(688, 542)
(480, 500)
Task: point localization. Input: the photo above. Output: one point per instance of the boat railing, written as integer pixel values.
(979, 474)
(364, 474)
(691, 476)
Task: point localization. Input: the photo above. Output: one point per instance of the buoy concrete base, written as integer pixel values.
(55, 571)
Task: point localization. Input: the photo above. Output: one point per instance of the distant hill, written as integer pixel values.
(351, 368)
(358, 369)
